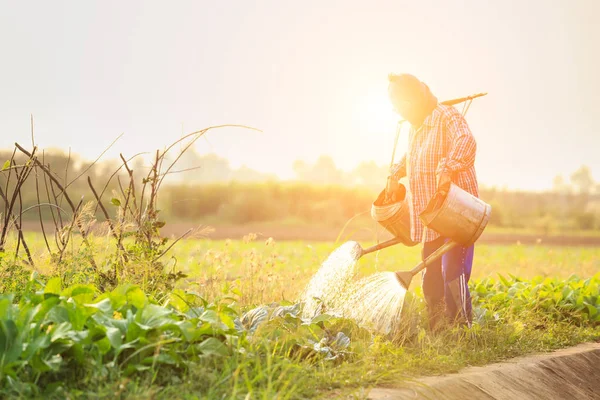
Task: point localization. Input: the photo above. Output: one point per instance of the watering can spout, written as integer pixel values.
(404, 278)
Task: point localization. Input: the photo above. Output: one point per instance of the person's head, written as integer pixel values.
(410, 97)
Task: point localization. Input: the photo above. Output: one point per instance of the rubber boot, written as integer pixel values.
(457, 313)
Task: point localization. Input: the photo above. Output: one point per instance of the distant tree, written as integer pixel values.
(196, 168)
(302, 170)
(247, 175)
(582, 180)
(323, 171)
(326, 172)
(559, 185)
(212, 169)
(370, 174)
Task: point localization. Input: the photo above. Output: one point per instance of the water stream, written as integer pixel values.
(374, 302)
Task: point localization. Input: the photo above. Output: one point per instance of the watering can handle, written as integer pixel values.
(392, 184)
(446, 247)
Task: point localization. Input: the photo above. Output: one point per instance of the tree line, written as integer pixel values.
(207, 188)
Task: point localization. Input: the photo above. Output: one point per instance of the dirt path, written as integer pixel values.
(572, 373)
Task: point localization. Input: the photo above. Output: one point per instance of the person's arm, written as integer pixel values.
(398, 170)
(462, 146)
(461, 152)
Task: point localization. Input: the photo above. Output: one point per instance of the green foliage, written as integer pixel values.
(573, 300)
(54, 335)
(13, 275)
(57, 340)
(67, 337)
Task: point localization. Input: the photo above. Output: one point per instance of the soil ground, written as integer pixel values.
(564, 374)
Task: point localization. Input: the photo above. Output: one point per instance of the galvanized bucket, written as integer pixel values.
(395, 217)
(461, 216)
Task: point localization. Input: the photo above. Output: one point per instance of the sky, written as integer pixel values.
(311, 75)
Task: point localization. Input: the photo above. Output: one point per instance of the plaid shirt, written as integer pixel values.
(443, 142)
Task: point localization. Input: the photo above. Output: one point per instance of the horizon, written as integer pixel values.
(258, 176)
(313, 79)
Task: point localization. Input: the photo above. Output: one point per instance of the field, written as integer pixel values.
(273, 271)
(280, 270)
(249, 341)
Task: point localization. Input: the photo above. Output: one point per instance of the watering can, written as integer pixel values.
(458, 216)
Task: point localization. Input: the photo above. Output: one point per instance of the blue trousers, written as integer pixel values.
(445, 282)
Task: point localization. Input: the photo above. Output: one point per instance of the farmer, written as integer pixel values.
(441, 150)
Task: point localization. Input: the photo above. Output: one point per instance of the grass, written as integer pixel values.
(513, 318)
(279, 270)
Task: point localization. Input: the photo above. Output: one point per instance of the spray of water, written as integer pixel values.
(374, 302)
(329, 285)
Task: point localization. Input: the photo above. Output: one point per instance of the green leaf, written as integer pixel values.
(10, 342)
(178, 300)
(60, 331)
(153, 316)
(210, 316)
(253, 318)
(115, 201)
(54, 362)
(45, 307)
(39, 343)
(161, 358)
(115, 337)
(58, 314)
(104, 345)
(504, 281)
(341, 341)
(133, 368)
(80, 293)
(6, 165)
(136, 297)
(53, 286)
(213, 346)
(592, 310)
(103, 305)
(227, 320)
(78, 352)
(188, 330)
(321, 318)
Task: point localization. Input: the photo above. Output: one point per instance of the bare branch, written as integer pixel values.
(106, 215)
(93, 163)
(66, 173)
(53, 179)
(68, 236)
(179, 171)
(32, 140)
(115, 173)
(173, 244)
(37, 191)
(40, 205)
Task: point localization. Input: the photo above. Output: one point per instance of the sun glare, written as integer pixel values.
(376, 114)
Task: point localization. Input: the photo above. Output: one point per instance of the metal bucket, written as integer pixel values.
(461, 216)
(395, 217)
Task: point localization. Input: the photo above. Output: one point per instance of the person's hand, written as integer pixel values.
(395, 171)
(391, 188)
(444, 179)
